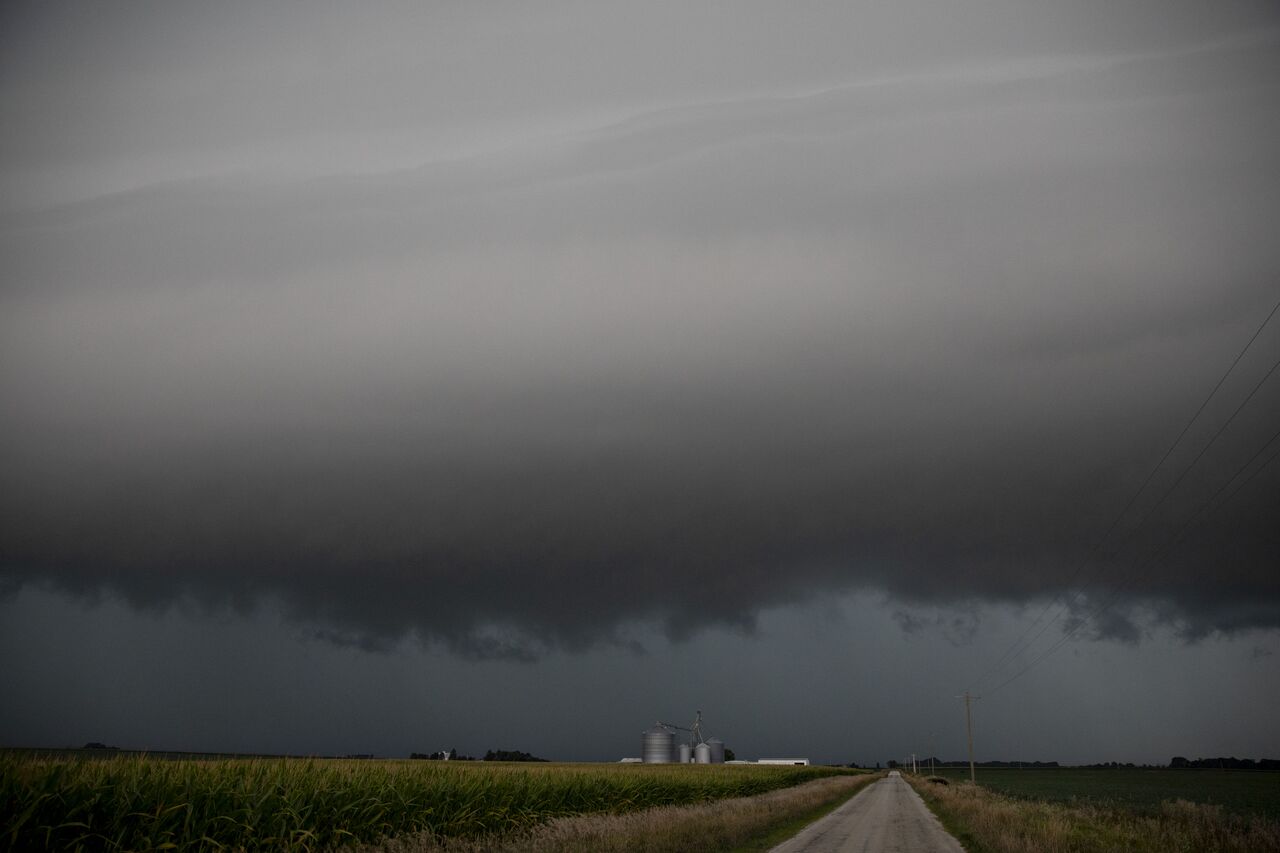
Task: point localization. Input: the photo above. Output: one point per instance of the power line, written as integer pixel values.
(1159, 552)
(1249, 479)
(1127, 582)
(1211, 441)
(1013, 649)
(1074, 597)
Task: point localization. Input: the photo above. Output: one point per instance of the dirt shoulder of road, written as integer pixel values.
(741, 824)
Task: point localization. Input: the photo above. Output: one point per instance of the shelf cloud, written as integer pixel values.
(921, 332)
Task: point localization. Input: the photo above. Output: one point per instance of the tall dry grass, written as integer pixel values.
(717, 826)
(994, 823)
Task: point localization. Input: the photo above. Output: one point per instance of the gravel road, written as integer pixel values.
(885, 817)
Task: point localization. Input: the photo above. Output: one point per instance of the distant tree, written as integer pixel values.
(510, 755)
(1225, 763)
(729, 755)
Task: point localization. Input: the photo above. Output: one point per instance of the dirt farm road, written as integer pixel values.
(885, 817)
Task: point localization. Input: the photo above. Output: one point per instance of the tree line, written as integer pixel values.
(491, 755)
(1225, 763)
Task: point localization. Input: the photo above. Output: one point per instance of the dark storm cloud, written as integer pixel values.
(924, 333)
(958, 629)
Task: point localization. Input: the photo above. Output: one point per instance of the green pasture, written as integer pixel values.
(1238, 791)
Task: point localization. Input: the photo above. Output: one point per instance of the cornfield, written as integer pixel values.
(136, 803)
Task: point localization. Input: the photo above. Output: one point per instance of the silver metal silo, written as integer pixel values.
(717, 750)
(658, 746)
(702, 754)
(685, 753)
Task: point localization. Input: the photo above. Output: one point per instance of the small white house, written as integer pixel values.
(803, 762)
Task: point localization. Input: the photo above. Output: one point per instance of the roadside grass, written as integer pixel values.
(986, 821)
(739, 825)
(949, 820)
(134, 803)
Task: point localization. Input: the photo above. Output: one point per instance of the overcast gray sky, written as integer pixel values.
(366, 367)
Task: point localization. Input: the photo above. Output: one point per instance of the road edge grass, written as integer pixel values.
(788, 828)
(751, 823)
(950, 821)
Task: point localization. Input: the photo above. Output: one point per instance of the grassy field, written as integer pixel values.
(1082, 811)
(131, 803)
(1237, 791)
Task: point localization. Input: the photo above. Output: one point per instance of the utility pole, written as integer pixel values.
(968, 724)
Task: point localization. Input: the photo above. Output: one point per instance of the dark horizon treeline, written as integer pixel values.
(1225, 763)
(938, 762)
(1176, 763)
(491, 755)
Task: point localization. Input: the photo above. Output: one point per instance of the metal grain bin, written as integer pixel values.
(658, 746)
(702, 754)
(717, 750)
(685, 753)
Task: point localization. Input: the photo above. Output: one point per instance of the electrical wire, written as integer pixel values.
(1017, 646)
(1155, 556)
(1075, 596)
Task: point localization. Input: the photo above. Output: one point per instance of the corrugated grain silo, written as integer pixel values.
(717, 750)
(658, 746)
(685, 753)
(702, 754)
